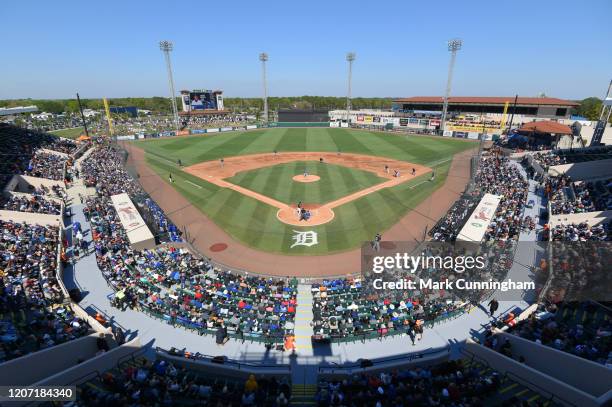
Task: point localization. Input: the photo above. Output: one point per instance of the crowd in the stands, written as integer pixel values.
(19, 146)
(104, 170)
(450, 225)
(582, 232)
(498, 176)
(354, 308)
(452, 383)
(344, 308)
(567, 197)
(588, 336)
(46, 165)
(558, 157)
(31, 203)
(146, 383)
(32, 316)
(549, 159)
(185, 289)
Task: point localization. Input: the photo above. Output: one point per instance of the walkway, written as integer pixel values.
(307, 358)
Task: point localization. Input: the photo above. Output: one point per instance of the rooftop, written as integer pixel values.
(546, 126)
(494, 100)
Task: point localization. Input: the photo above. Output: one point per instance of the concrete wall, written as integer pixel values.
(37, 366)
(584, 171)
(57, 153)
(563, 366)
(587, 134)
(230, 369)
(23, 183)
(8, 194)
(411, 361)
(546, 385)
(31, 218)
(592, 218)
(85, 371)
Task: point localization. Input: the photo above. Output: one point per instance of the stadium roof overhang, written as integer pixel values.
(486, 100)
(545, 127)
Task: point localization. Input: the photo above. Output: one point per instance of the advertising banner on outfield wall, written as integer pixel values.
(478, 222)
(198, 131)
(212, 130)
(227, 128)
(477, 128)
(334, 124)
(251, 127)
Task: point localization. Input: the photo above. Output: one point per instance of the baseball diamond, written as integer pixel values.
(367, 182)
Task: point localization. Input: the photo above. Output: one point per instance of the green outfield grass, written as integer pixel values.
(69, 133)
(254, 222)
(276, 181)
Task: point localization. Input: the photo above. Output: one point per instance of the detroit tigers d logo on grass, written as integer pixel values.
(305, 238)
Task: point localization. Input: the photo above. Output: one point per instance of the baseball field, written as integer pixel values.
(345, 179)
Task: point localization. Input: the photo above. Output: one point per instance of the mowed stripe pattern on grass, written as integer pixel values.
(255, 223)
(195, 149)
(336, 181)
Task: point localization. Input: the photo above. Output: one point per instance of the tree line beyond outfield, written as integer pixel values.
(589, 107)
(162, 104)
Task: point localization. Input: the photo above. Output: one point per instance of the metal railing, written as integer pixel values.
(208, 358)
(405, 357)
(516, 378)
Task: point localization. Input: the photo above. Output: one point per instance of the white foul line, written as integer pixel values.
(195, 185)
(422, 182)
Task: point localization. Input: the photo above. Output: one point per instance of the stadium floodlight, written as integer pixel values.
(166, 47)
(263, 57)
(454, 45)
(350, 57)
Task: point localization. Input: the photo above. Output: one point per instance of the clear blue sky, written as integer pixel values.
(51, 49)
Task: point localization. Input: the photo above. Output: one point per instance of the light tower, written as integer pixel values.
(263, 57)
(166, 47)
(604, 117)
(454, 45)
(350, 57)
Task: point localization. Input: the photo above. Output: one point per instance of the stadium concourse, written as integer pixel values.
(133, 317)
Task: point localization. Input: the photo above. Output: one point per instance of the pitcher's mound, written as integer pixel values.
(318, 215)
(307, 178)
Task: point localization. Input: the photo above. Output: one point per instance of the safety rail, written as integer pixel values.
(132, 355)
(405, 357)
(212, 359)
(377, 334)
(516, 378)
(530, 385)
(264, 339)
